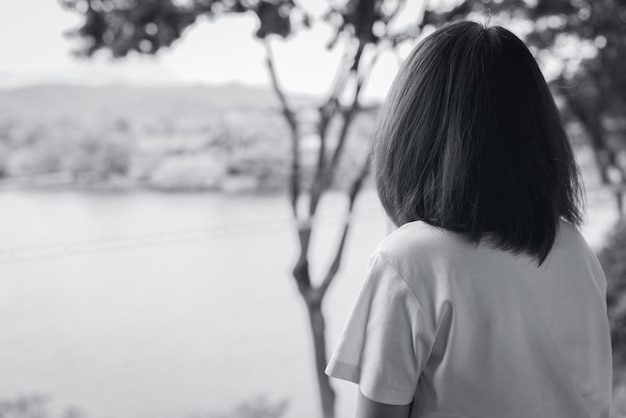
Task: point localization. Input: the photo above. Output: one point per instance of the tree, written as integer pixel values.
(364, 29)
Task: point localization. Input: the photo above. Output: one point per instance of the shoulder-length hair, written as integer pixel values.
(470, 140)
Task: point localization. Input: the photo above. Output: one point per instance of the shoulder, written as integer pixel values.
(572, 246)
(423, 256)
(420, 243)
(571, 243)
(570, 234)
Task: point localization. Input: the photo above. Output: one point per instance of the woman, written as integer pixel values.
(486, 301)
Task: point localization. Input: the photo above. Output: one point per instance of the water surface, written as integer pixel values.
(148, 305)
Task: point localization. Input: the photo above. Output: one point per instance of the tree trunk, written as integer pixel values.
(327, 394)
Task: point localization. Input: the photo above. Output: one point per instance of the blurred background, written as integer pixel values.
(181, 182)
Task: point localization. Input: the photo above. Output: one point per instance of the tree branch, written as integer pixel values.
(290, 117)
(354, 191)
(329, 108)
(301, 269)
(321, 183)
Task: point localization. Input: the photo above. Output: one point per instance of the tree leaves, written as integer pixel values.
(123, 26)
(147, 26)
(274, 18)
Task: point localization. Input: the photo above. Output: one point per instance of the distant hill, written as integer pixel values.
(46, 102)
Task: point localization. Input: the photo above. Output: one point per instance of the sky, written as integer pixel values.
(35, 51)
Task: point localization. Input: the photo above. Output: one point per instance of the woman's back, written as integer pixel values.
(492, 334)
(511, 339)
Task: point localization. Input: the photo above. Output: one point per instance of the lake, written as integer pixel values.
(150, 305)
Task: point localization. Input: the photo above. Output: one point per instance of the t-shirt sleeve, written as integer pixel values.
(597, 270)
(387, 339)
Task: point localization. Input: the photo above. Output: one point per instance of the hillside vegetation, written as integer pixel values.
(226, 138)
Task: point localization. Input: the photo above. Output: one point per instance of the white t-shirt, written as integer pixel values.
(473, 331)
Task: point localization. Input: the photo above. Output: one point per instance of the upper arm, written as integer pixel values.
(387, 339)
(367, 408)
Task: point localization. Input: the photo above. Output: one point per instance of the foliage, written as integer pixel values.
(33, 406)
(38, 406)
(82, 154)
(122, 26)
(219, 153)
(188, 172)
(614, 265)
(255, 408)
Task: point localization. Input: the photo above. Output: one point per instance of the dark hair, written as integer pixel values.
(470, 140)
